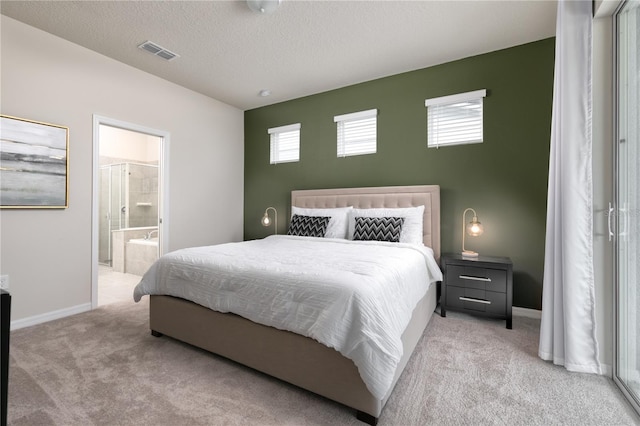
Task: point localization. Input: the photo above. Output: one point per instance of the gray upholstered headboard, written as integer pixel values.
(381, 196)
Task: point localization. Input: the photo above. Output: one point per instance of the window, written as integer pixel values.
(285, 144)
(356, 133)
(455, 119)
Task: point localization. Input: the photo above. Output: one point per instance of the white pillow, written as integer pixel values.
(411, 228)
(338, 224)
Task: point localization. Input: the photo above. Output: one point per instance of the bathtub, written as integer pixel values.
(140, 254)
(145, 242)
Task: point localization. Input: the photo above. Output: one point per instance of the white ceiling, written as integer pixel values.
(230, 53)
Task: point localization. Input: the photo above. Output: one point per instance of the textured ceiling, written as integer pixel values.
(230, 53)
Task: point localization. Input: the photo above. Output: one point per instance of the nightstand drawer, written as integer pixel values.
(479, 278)
(471, 299)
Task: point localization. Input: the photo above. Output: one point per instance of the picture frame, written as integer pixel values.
(34, 164)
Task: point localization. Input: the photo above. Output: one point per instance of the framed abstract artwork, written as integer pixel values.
(34, 164)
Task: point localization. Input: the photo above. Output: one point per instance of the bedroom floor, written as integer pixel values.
(103, 367)
(114, 286)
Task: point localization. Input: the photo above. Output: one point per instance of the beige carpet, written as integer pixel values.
(104, 368)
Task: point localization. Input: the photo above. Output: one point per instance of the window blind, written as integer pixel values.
(455, 119)
(284, 144)
(357, 133)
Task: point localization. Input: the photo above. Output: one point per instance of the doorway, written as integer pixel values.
(129, 227)
(627, 188)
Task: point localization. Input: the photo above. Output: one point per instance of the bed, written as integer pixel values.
(292, 357)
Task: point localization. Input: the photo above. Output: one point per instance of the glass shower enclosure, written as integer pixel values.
(128, 199)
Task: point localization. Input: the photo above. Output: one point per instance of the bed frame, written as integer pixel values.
(291, 357)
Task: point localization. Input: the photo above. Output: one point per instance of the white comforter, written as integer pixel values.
(356, 297)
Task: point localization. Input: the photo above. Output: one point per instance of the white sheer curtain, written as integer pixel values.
(567, 330)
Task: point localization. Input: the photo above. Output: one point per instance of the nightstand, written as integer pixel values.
(481, 286)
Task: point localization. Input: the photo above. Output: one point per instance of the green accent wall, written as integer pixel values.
(504, 178)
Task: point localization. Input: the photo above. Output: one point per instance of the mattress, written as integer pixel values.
(356, 297)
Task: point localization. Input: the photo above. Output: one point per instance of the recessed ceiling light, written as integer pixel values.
(263, 6)
(264, 92)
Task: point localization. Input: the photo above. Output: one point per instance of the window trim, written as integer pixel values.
(283, 129)
(353, 116)
(458, 97)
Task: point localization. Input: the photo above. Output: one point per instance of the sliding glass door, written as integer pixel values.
(627, 346)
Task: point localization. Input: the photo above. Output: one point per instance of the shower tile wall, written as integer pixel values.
(143, 195)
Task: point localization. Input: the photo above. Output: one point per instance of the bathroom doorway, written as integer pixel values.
(129, 226)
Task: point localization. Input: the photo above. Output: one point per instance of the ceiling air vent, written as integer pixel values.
(158, 50)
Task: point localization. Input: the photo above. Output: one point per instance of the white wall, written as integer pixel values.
(47, 253)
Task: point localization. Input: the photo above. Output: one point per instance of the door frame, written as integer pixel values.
(163, 191)
(620, 217)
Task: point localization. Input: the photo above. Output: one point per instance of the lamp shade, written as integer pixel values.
(475, 228)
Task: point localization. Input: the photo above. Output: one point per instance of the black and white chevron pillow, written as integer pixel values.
(308, 226)
(378, 229)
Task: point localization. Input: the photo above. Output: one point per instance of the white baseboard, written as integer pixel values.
(49, 316)
(607, 370)
(526, 312)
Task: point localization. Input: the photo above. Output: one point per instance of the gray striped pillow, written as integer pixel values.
(308, 226)
(378, 229)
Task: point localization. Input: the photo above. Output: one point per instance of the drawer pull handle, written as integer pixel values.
(467, 277)
(468, 299)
